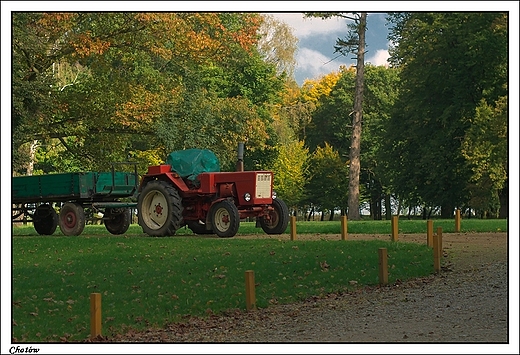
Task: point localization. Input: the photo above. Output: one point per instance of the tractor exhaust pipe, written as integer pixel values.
(240, 157)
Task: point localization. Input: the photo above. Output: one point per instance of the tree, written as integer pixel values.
(290, 172)
(98, 84)
(381, 90)
(355, 143)
(485, 150)
(327, 126)
(354, 43)
(328, 120)
(277, 45)
(327, 183)
(448, 63)
(202, 120)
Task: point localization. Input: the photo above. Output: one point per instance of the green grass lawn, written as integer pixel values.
(149, 282)
(152, 281)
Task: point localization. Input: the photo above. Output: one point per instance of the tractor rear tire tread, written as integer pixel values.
(173, 220)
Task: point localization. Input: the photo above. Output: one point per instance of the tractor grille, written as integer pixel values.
(263, 186)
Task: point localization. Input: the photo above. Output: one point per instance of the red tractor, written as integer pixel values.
(190, 191)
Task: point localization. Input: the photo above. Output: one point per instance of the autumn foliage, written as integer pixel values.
(121, 74)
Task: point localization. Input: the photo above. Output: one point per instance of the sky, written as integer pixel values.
(316, 39)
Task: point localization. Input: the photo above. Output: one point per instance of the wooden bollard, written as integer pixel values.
(250, 290)
(293, 228)
(395, 228)
(383, 266)
(457, 221)
(95, 314)
(429, 233)
(437, 250)
(343, 227)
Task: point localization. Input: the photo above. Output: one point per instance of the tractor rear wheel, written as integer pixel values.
(117, 220)
(72, 219)
(160, 209)
(278, 218)
(225, 219)
(45, 220)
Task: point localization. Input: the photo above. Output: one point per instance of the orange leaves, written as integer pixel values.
(198, 36)
(53, 21)
(246, 36)
(143, 107)
(85, 45)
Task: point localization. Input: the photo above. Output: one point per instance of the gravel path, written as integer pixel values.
(465, 303)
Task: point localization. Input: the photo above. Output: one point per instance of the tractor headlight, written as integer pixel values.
(247, 196)
(274, 195)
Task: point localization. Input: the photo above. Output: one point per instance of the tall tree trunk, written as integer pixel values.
(375, 207)
(503, 195)
(447, 211)
(388, 208)
(32, 157)
(355, 143)
(311, 213)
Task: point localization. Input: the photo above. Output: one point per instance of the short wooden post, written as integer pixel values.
(383, 266)
(457, 221)
(250, 290)
(437, 250)
(293, 228)
(429, 233)
(343, 227)
(395, 228)
(95, 315)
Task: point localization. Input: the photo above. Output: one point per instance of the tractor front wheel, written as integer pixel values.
(72, 219)
(160, 209)
(45, 220)
(225, 219)
(278, 219)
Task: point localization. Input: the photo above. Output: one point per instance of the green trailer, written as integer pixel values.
(79, 197)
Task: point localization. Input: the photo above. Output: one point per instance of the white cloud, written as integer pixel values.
(303, 27)
(313, 64)
(379, 58)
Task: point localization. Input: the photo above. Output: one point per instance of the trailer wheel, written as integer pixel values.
(45, 220)
(160, 209)
(117, 220)
(72, 219)
(225, 219)
(278, 219)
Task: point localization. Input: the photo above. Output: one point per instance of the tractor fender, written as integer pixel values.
(169, 177)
